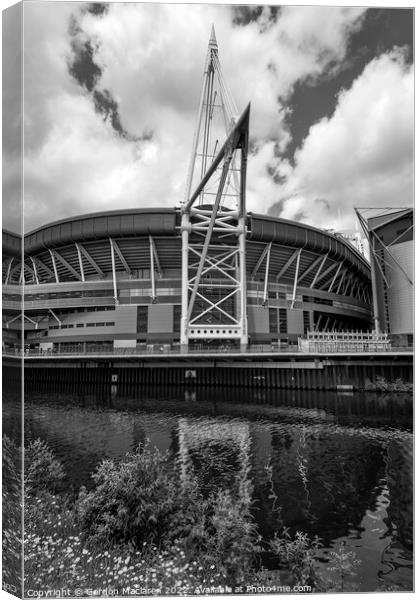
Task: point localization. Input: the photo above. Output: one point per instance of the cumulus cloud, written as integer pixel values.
(120, 135)
(363, 155)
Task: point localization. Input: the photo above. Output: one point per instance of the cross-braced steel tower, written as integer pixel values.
(213, 221)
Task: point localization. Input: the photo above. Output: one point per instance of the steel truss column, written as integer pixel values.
(185, 230)
(224, 232)
(242, 282)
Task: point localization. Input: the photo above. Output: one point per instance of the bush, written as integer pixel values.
(42, 470)
(142, 501)
(298, 555)
(343, 567)
(136, 500)
(232, 539)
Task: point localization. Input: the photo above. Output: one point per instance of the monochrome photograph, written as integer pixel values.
(207, 299)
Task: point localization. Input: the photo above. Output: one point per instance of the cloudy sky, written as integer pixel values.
(111, 94)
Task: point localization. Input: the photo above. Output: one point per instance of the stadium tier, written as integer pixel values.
(113, 280)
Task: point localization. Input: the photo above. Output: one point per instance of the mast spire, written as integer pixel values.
(212, 40)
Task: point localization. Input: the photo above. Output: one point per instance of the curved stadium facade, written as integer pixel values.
(113, 280)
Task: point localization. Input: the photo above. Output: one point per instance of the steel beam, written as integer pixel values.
(348, 282)
(35, 271)
(341, 281)
(121, 257)
(79, 255)
(325, 273)
(317, 274)
(55, 316)
(9, 266)
(152, 268)
(287, 264)
(91, 261)
(41, 265)
(114, 274)
(260, 260)
(234, 141)
(267, 268)
(311, 267)
(296, 278)
(335, 276)
(66, 265)
(156, 257)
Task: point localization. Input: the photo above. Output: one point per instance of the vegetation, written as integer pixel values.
(143, 526)
(12, 507)
(382, 385)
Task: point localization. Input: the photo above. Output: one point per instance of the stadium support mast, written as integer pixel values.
(213, 222)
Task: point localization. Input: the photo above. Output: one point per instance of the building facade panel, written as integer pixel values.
(400, 292)
(258, 320)
(391, 239)
(160, 318)
(295, 322)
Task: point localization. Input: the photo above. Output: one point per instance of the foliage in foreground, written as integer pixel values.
(141, 526)
(11, 509)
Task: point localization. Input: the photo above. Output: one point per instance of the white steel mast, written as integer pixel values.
(213, 221)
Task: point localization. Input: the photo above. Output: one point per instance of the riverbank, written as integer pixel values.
(141, 530)
(253, 370)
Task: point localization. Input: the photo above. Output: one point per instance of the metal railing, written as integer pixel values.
(346, 341)
(162, 351)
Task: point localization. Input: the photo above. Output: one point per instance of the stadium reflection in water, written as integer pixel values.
(340, 466)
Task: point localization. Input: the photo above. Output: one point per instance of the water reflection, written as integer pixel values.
(336, 467)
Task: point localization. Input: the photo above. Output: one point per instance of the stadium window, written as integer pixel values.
(142, 318)
(282, 320)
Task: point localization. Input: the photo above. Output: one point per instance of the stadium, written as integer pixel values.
(206, 274)
(114, 279)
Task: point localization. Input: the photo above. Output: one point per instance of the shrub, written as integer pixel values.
(42, 470)
(343, 566)
(298, 555)
(138, 499)
(232, 539)
(142, 501)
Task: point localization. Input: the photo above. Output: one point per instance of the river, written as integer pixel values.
(334, 466)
